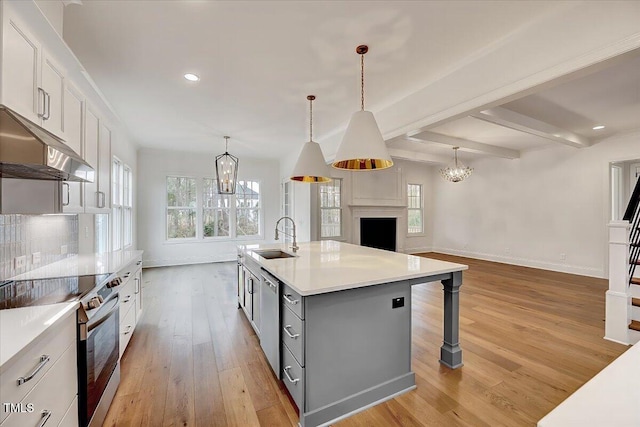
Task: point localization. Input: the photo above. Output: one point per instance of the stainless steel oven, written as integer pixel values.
(98, 354)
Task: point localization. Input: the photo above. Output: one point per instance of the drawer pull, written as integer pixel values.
(44, 359)
(291, 379)
(139, 262)
(128, 298)
(128, 329)
(289, 300)
(286, 330)
(46, 414)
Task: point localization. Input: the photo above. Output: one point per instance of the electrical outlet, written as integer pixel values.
(36, 258)
(20, 261)
(63, 249)
(563, 257)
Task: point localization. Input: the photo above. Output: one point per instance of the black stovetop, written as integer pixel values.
(24, 293)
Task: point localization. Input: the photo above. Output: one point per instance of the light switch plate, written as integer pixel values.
(20, 261)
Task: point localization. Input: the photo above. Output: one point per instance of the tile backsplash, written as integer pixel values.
(24, 235)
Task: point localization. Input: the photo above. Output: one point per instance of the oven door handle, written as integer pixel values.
(91, 326)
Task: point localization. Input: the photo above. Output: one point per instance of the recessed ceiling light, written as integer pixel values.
(598, 127)
(191, 77)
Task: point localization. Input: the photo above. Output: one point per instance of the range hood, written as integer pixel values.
(28, 151)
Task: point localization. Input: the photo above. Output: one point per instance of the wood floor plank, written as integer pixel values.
(529, 337)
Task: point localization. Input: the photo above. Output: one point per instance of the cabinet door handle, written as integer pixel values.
(293, 336)
(46, 414)
(251, 285)
(291, 380)
(66, 184)
(137, 281)
(43, 103)
(139, 263)
(289, 300)
(48, 98)
(101, 199)
(127, 299)
(128, 329)
(44, 359)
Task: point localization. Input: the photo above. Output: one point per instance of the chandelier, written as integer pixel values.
(457, 171)
(226, 171)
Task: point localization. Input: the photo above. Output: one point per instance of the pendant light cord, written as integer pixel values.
(226, 144)
(362, 82)
(311, 120)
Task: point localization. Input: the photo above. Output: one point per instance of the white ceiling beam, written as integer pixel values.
(415, 156)
(512, 120)
(466, 145)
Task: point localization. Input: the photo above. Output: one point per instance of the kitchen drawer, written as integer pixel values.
(54, 393)
(292, 300)
(53, 345)
(293, 334)
(127, 298)
(70, 419)
(293, 377)
(126, 328)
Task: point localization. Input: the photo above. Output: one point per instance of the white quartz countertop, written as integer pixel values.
(79, 265)
(328, 266)
(19, 327)
(611, 398)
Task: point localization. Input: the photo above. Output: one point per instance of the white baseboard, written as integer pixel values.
(185, 261)
(418, 250)
(525, 262)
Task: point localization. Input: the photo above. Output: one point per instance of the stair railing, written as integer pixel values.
(632, 214)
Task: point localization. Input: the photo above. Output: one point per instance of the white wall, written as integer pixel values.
(153, 168)
(379, 193)
(530, 211)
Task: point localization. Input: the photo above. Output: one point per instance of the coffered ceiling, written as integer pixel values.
(258, 60)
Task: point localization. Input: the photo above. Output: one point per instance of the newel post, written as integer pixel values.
(618, 310)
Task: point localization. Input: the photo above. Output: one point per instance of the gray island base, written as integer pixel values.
(345, 350)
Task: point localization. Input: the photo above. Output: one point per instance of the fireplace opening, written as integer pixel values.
(379, 233)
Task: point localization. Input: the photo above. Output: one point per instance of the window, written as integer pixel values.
(116, 203)
(287, 210)
(216, 210)
(247, 208)
(127, 192)
(331, 209)
(181, 207)
(414, 211)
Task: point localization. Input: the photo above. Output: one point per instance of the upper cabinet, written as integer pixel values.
(32, 82)
(98, 154)
(73, 125)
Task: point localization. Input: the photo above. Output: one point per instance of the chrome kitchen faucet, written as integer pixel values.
(295, 246)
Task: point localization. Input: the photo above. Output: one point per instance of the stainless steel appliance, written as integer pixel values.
(270, 330)
(98, 351)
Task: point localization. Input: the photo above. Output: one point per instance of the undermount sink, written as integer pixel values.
(273, 254)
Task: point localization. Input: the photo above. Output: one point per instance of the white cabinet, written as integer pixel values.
(72, 195)
(52, 87)
(97, 139)
(20, 70)
(32, 81)
(130, 300)
(49, 379)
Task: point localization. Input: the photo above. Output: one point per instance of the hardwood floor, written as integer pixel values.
(529, 338)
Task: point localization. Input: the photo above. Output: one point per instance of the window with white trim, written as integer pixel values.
(248, 208)
(216, 211)
(181, 207)
(415, 209)
(116, 203)
(330, 194)
(127, 192)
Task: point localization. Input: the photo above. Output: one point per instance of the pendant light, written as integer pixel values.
(362, 147)
(226, 171)
(457, 171)
(310, 166)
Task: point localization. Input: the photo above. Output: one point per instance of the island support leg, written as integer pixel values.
(450, 352)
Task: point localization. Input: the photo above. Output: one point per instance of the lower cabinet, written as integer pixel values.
(50, 386)
(249, 299)
(130, 292)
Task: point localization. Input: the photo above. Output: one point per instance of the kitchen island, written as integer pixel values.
(340, 334)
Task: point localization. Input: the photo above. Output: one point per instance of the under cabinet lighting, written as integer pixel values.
(598, 127)
(191, 77)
